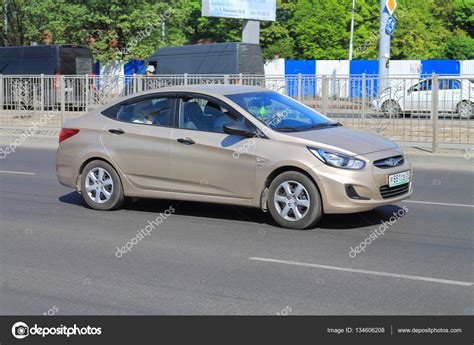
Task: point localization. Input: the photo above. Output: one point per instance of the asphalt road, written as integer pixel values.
(59, 257)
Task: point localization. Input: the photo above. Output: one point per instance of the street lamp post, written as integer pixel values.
(351, 43)
(384, 47)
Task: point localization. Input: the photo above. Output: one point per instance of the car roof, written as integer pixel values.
(211, 89)
(216, 90)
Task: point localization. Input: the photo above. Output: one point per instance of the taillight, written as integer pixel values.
(66, 133)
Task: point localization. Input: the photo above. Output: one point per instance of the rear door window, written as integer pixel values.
(157, 111)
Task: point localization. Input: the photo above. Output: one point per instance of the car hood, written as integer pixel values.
(350, 140)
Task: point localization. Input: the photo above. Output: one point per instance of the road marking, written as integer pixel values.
(438, 203)
(375, 273)
(16, 172)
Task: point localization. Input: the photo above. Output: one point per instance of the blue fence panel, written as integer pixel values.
(97, 72)
(450, 67)
(356, 69)
(133, 67)
(305, 67)
(97, 67)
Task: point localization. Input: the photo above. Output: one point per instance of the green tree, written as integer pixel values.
(420, 34)
(462, 17)
(304, 29)
(366, 29)
(115, 29)
(276, 37)
(459, 48)
(319, 29)
(14, 33)
(210, 28)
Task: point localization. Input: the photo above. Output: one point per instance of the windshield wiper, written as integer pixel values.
(323, 125)
(286, 129)
(299, 129)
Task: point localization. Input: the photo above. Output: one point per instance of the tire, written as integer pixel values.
(391, 109)
(109, 189)
(465, 110)
(282, 201)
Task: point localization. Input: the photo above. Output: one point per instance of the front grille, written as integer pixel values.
(390, 162)
(391, 192)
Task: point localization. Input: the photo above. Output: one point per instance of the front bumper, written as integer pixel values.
(366, 183)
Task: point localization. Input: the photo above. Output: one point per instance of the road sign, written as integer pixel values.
(390, 26)
(249, 9)
(391, 6)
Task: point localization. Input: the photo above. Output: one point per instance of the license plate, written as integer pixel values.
(398, 179)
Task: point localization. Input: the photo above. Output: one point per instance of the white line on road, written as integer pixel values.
(375, 273)
(438, 203)
(16, 172)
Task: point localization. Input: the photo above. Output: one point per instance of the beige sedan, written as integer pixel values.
(229, 144)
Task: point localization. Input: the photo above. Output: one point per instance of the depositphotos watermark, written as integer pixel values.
(4, 152)
(146, 231)
(51, 311)
(468, 153)
(21, 330)
(146, 32)
(285, 311)
(380, 231)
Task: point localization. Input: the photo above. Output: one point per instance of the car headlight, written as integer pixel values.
(337, 160)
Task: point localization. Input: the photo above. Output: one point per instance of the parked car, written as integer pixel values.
(454, 96)
(229, 144)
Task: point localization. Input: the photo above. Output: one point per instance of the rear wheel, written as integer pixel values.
(465, 110)
(101, 187)
(294, 201)
(391, 109)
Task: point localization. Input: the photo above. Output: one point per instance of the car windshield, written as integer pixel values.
(281, 113)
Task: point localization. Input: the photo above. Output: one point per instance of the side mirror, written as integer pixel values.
(238, 128)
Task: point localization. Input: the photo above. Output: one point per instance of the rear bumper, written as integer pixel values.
(66, 169)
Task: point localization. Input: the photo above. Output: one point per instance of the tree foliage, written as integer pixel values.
(304, 29)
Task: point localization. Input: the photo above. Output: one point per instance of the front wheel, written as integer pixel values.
(465, 110)
(101, 187)
(294, 201)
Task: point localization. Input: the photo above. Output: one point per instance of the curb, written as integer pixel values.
(43, 142)
(441, 161)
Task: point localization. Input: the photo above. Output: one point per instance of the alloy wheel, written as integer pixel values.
(465, 110)
(292, 201)
(391, 109)
(99, 185)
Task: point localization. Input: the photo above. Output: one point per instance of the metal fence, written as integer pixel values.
(402, 108)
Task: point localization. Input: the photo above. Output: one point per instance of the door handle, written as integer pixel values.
(117, 131)
(186, 141)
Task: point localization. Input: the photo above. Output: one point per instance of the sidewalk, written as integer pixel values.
(419, 156)
(15, 131)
